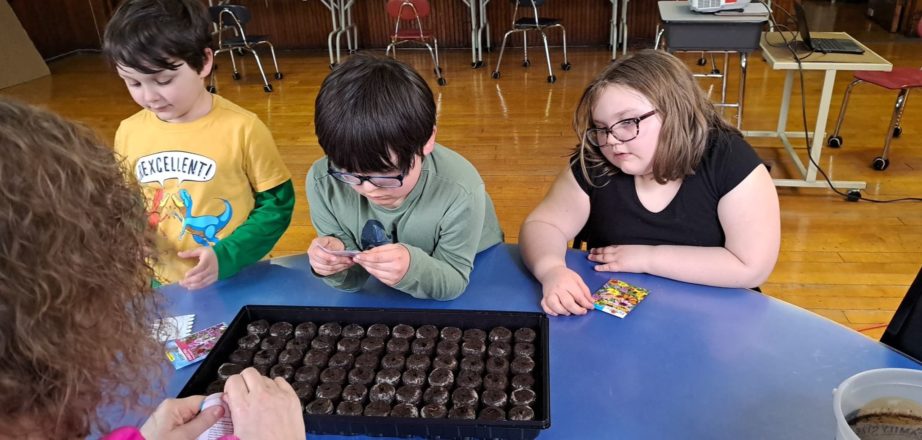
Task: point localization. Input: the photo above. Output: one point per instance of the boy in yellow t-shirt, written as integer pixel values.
(219, 194)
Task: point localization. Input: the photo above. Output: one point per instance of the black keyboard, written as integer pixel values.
(835, 45)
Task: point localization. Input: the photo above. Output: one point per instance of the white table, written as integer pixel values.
(781, 58)
(480, 30)
(341, 16)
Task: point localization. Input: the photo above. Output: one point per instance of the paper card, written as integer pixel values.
(345, 253)
(618, 298)
(193, 348)
(173, 327)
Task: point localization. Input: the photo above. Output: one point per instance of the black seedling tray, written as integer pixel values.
(397, 426)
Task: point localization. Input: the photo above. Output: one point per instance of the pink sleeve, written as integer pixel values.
(125, 433)
(229, 437)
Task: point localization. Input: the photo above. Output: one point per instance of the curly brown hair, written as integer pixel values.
(76, 304)
(688, 115)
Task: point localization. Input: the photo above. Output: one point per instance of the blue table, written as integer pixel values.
(689, 362)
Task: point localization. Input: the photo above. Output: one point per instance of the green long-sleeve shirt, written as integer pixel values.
(253, 239)
(445, 220)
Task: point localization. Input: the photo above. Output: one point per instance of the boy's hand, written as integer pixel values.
(205, 272)
(388, 263)
(180, 419)
(263, 408)
(325, 263)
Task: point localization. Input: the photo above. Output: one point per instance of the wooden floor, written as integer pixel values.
(850, 262)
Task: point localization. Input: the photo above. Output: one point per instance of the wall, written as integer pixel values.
(61, 26)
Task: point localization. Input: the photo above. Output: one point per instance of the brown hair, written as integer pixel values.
(75, 296)
(687, 114)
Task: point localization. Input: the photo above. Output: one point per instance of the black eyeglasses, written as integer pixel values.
(358, 179)
(624, 130)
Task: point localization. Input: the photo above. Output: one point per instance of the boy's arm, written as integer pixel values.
(324, 221)
(445, 274)
(257, 235)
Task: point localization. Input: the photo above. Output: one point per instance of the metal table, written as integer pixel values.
(688, 31)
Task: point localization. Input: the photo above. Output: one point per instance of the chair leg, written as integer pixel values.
(266, 86)
(883, 161)
(275, 62)
(236, 74)
(835, 141)
(502, 49)
(547, 55)
(211, 87)
(898, 130)
(566, 60)
(435, 61)
(525, 61)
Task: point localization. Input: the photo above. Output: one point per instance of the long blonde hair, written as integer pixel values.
(687, 114)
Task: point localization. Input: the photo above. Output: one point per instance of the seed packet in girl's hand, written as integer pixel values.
(193, 348)
(618, 298)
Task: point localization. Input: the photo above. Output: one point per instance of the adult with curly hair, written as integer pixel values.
(76, 305)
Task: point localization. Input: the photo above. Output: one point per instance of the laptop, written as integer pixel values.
(823, 45)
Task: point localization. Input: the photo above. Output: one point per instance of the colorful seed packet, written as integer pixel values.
(618, 298)
(193, 348)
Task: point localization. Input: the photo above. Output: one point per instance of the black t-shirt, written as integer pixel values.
(617, 216)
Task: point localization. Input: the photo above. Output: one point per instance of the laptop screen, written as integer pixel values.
(802, 24)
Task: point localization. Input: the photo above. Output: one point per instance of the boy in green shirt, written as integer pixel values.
(375, 120)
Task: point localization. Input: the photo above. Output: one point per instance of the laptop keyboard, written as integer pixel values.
(835, 45)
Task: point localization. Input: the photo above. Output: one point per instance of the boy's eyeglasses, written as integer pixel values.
(358, 179)
(624, 130)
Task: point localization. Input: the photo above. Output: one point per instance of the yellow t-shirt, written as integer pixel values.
(198, 177)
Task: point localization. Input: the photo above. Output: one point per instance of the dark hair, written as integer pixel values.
(76, 304)
(688, 115)
(151, 35)
(372, 107)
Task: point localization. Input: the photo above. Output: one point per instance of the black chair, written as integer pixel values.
(904, 333)
(231, 21)
(533, 23)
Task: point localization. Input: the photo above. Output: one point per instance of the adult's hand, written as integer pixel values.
(263, 408)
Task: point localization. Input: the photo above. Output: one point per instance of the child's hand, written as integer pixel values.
(565, 293)
(325, 263)
(263, 408)
(621, 258)
(180, 419)
(388, 263)
(205, 272)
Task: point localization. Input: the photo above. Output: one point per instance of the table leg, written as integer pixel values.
(615, 30)
(744, 65)
(819, 133)
(815, 144)
(485, 25)
(474, 34)
(624, 27)
(332, 7)
(345, 25)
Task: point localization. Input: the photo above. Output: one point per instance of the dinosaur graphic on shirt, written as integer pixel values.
(204, 228)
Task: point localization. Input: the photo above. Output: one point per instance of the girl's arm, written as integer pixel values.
(543, 243)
